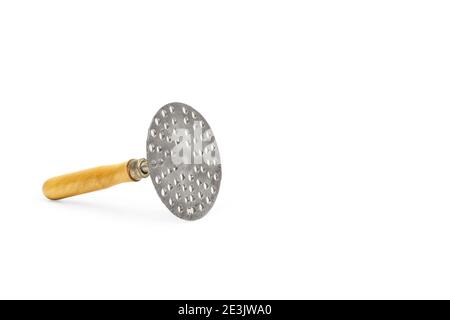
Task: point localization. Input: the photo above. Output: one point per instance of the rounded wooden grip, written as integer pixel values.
(89, 180)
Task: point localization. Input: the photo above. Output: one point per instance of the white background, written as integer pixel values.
(332, 118)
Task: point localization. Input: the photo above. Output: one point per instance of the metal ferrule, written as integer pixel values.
(138, 169)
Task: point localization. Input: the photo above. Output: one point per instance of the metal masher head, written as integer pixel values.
(183, 160)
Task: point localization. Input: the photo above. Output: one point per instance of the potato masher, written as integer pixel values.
(182, 161)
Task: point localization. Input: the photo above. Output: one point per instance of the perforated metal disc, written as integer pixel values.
(184, 160)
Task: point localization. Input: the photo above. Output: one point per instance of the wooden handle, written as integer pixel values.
(89, 180)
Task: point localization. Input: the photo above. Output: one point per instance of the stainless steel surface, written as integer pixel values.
(184, 161)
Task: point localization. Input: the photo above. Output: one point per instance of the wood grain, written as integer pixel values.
(85, 181)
